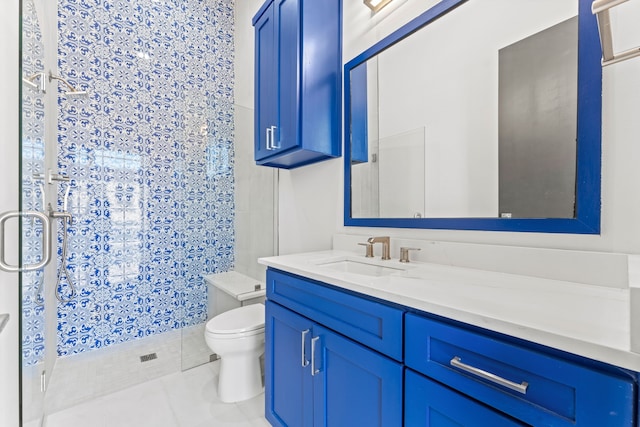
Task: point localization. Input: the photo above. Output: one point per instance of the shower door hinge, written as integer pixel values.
(43, 381)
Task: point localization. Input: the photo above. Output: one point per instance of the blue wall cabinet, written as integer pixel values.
(430, 404)
(316, 377)
(298, 63)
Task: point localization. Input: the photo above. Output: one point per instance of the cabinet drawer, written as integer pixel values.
(375, 325)
(532, 386)
(429, 404)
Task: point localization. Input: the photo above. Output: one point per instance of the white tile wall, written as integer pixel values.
(254, 201)
(254, 186)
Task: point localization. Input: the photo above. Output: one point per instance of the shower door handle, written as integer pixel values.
(46, 240)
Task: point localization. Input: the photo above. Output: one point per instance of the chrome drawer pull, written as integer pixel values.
(520, 388)
(304, 362)
(314, 371)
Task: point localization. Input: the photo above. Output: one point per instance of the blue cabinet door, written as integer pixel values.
(288, 381)
(316, 377)
(430, 404)
(276, 56)
(353, 385)
(265, 76)
(287, 19)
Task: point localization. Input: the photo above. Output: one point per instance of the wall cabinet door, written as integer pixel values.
(276, 76)
(430, 404)
(266, 75)
(314, 376)
(298, 82)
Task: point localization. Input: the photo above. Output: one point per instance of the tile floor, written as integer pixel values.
(76, 379)
(111, 387)
(182, 399)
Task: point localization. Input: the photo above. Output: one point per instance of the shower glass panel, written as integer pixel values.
(38, 340)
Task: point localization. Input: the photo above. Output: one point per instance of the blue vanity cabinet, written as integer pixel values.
(298, 62)
(315, 375)
(335, 357)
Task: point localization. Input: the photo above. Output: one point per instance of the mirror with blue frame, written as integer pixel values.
(478, 115)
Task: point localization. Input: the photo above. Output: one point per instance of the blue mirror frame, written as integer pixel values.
(589, 130)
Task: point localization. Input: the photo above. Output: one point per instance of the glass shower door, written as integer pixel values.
(38, 340)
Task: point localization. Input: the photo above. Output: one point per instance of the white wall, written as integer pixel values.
(311, 198)
(9, 78)
(255, 186)
(303, 223)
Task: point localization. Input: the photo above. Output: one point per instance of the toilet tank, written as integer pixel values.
(226, 291)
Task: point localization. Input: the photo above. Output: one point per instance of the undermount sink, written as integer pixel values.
(357, 267)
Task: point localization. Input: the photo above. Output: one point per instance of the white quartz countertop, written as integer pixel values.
(587, 320)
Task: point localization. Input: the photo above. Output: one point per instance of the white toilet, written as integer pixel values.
(237, 336)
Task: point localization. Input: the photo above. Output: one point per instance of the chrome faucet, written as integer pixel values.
(386, 242)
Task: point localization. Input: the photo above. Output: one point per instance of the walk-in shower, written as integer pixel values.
(134, 151)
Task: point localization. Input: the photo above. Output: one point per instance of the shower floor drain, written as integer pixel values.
(148, 357)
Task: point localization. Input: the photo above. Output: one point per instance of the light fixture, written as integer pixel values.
(376, 5)
(600, 8)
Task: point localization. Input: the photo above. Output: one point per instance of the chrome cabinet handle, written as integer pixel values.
(274, 146)
(304, 362)
(46, 240)
(269, 132)
(520, 388)
(270, 135)
(314, 371)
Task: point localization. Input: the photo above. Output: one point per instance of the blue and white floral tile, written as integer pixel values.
(151, 156)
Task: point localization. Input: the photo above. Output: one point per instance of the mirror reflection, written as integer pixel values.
(480, 123)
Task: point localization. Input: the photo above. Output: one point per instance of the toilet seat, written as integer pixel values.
(239, 322)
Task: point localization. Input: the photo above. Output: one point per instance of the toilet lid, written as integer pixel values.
(242, 319)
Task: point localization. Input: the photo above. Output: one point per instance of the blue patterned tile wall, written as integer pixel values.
(150, 154)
